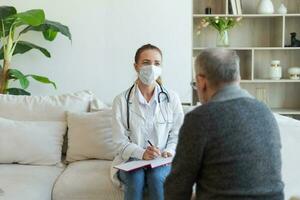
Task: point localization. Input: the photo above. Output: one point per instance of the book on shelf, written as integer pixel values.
(136, 164)
(239, 7)
(232, 7)
(229, 8)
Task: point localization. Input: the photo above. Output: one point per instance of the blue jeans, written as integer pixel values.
(135, 181)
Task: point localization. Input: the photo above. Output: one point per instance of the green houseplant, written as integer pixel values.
(13, 26)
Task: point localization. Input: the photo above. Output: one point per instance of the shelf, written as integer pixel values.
(258, 39)
(233, 48)
(288, 57)
(286, 111)
(292, 15)
(270, 81)
(291, 48)
(275, 48)
(252, 48)
(246, 15)
(257, 33)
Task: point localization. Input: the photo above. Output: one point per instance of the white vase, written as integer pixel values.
(265, 7)
(222, 39)
(275, 73)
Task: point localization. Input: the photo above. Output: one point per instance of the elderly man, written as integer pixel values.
(230, 146)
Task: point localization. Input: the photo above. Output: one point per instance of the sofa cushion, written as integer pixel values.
(28, 142)
(90, 136)
(88, 179)
(25, 182)
(97, 105)
(43, 108)
(290, 139)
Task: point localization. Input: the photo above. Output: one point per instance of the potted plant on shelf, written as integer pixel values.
(13, 26)
(222, 25)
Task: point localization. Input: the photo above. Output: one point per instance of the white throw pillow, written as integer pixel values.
(44, 108)
(97, 105)
(90, 136)
(31, 142)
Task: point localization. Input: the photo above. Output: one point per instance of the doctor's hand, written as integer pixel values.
(151, 153)
(166, 154)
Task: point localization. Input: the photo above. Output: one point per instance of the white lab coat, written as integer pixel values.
(168, 120)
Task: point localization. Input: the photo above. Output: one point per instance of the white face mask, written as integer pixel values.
(149, 73)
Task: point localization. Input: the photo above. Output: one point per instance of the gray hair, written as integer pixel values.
(218, 66)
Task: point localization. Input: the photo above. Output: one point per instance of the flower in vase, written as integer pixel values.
(222, 25)
(219, 23)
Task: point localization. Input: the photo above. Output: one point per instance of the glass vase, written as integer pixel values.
(222, 39)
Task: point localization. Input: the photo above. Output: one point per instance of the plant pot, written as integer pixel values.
(222, 39)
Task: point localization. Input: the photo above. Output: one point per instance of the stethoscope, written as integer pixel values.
(162, 92)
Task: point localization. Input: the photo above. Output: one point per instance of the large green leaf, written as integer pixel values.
(50, 34)
(17, 91)
(1, 54)
(16, 74)
(34, 17)
(6, 11)
(31, 17)
(6, 19)
(49, 28)
(23, 46)
(42, 79)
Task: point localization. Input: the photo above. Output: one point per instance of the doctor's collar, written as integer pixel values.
(142, 99)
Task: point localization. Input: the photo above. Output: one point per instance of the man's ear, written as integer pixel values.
(201, 82)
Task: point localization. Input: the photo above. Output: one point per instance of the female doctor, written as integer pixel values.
(146, 122)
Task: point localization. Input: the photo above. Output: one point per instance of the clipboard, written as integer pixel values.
(136, 164)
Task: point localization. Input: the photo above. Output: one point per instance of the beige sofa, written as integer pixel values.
(37, 179)
(39, 173)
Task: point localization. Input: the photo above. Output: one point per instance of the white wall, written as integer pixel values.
(106, 34)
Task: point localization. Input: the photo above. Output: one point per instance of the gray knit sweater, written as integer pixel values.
(230, 147)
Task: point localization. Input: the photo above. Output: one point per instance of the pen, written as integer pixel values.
(158, 154)
(150, 143)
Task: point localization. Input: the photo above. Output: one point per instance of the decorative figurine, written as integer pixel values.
(294, 73)
(294, 41)
(282, 9)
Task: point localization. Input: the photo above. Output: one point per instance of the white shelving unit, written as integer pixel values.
(258, 39)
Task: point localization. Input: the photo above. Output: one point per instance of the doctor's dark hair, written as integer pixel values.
(144, 48)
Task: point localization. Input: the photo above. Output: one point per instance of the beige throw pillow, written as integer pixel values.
(31, 142)
(90, 136)
(44, 108)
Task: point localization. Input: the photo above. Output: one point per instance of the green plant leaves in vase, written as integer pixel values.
(11, 23)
